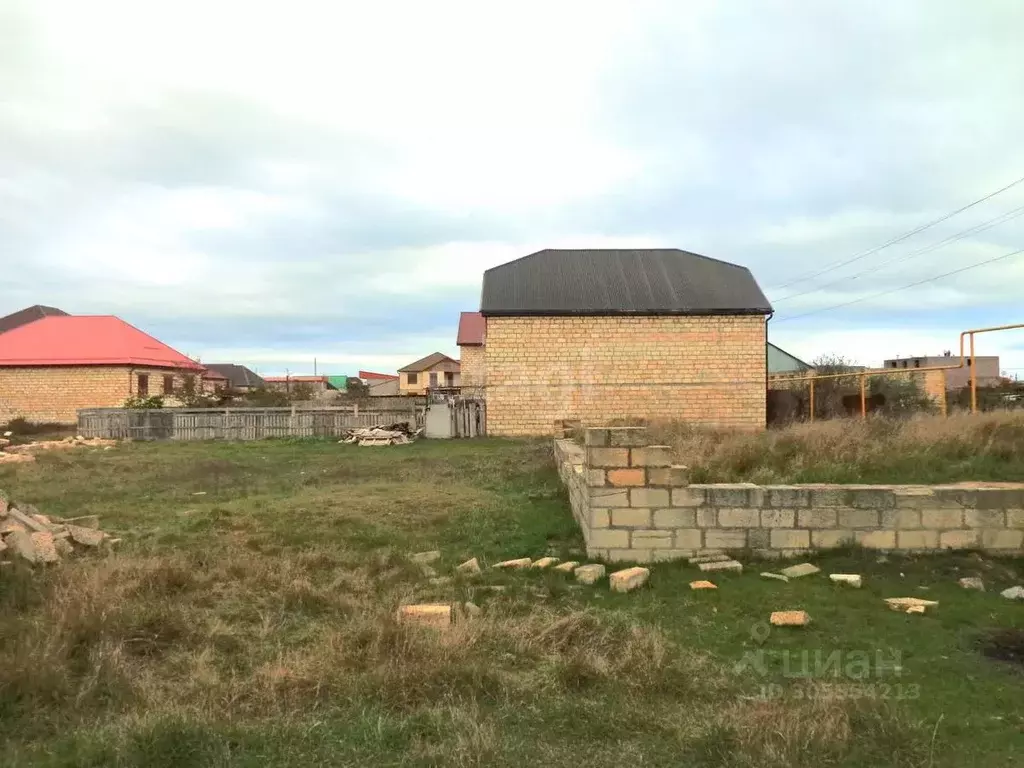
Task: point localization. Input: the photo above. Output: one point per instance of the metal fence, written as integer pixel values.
(235, 423)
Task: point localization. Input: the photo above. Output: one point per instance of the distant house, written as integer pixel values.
(384, 387)
(320, 385)
(430, 372)
(238, 377)
(54, 365)
(215, 381)
(988, 374)
(28, 315)
(781, 362)
(472, 328)
(340, 383)
(370, 378)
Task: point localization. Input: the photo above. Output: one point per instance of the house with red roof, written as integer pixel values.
(54, 365)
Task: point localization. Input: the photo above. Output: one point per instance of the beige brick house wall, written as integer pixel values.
(473, 366)
(704, 370)
(55, 393)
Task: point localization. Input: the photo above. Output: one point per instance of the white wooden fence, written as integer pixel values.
(235, 423)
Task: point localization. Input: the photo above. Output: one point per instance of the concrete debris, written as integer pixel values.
(775, 576)
(522, 562)
(702, 585)
(629, 579)
(39, 538)
(790, 619)
(436, 616)
(797, 571)
(1013, 593)
(910, 604)
(544, 562)
(589, 574)
(423, 558)
(471, 567)
(972, 582)
(722, 566)
(849, 579)
(399, 433)
(712, 558)
(567, 567)
(15, 458)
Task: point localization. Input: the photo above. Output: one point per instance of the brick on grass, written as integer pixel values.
(544, 562)
(629, 579)
(470, 567)
(520, 562)
(589, 574)
(22, 545)
(423, 558)
(567, 567)
(800, 570)
(697, 585)
(790, 619)
(438, 616)
(722, 566)
(46, 550)
(87, 537)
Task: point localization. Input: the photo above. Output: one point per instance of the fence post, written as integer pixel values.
(863, 396)
(812, 400)
(355, 410)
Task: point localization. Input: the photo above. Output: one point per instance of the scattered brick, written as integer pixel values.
(522, 562)
(910, 604)
(567, 567)
(21, 544)
(46, 550)
(713, 558)
(849, 579)
(589, 574)
(973, 582)
(470, 567)
(629, 579)
(775, 576)
(702, 585)
(797, 571)
(1013, 593)
(424, 558)
(544, 562)
(437, 616)
(790, 619)
(724, 566)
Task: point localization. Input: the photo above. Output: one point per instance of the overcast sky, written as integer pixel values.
(266, 183)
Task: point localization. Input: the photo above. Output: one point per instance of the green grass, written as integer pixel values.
(246, 619)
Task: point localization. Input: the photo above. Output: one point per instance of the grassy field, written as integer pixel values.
(927, 449)
(247, 620)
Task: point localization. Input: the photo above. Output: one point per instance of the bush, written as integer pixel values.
(144, 403)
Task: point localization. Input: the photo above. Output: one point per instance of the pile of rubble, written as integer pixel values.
(399, 433)
(24, 452)
(37, 538)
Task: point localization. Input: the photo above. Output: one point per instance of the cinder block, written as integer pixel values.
(858, 518)
(830, 539)
(828, 497)
(689, 538)
(787, 496)
(817, 518)
(627, 437)
(942, 518)
(778, 518)
(600, 517)
(649, 497)
(914, 498)
(725, 538)
(953, 496)
(693, 496)
(608, 538)
(872, 498)
(619, 478)
(668, 555)
(630, 555)
(1002, 539)
(653, 540)
(998, 498)
(651, 456)
(707, 518)
(609, 497)
(958, 539)
(596, 478)
(1015, 518)
(901, 519)
(984, 518)
(672, 477)
(739, 518)
(759, 538)
(596, 437)
(631, 517)
(607, 457)
(795, 538)
(675, 518)
(729, 495)
(917, 539)
(876, 539)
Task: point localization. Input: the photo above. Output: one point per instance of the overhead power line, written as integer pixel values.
(1008, 216)
(903, 287)
(901, 238)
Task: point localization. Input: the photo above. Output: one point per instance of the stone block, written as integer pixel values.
(923, 539)
(972, 582)
(631, 517)
(942, 517)
(21, 544)
(609, 538)
(913, 498)
(420, 558)
(607, 457)
(828, 497)
(673, 477)
(831, 539)
(629, 579)
(544, 562)
(1015, 518)
(800, 570)
(759, 538)
(817, 518)
(847, 579)
(778, 518)
(630, 555)
(596, 437)
(627, 437)
(998, 498)
(596, 478)
(858, 518)
(722, 566)
(953, 496)
(589, 574)
(675, 518)
(723, 538)
(689, 538)
(651, 456)
(653, 540)
(790, 619)
(702, 584)
(1002, 538)
(692, 496)
(470, 567)
(669, 555)
(876, 539)
(794, 538)
(730, 495)
(434, 616)
(984, 518)
(609, 497)
(901, 519)
(619, 478)
(787, 496)
(1013, 593)
(649, 497)
(739, 518)
(872, 498)
(958, 539)
(89, 537)
(600, 517)
(520, 562)
(774, 576)
(569, 566)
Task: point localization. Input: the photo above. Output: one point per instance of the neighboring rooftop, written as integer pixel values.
(427, 362)
(86, 340)
(781, 361)
(28, 315)
(472, 327)
(298, 379)
(657, 281)
(237, 375)
(371, 376)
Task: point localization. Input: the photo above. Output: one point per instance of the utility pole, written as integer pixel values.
(314, 366)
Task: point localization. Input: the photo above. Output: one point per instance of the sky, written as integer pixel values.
(271, 183)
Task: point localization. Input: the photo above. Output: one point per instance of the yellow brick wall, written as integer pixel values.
(423, 378)
(55, 393)
(473, 366)
(703, 370)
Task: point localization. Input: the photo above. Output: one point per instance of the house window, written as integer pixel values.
(143, 385)
(168, 385)
(917, 363)
(904, 364)
(449, 379)
(413, 378)
(892, 364)
(433, 379)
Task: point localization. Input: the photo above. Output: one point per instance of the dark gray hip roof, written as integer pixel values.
(662, 281)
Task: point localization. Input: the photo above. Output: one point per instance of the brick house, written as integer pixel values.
(603, 334)
(430, 372)
(237, 378)
(52, 366)
(472, 330)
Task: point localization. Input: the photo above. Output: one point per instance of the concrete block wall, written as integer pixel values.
(634, 503)
(471, 358)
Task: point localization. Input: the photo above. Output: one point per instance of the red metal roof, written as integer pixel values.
(378, 376)
(86, 340)
(472, 327)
